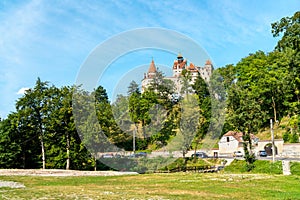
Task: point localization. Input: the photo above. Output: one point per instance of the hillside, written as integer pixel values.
(279, 130)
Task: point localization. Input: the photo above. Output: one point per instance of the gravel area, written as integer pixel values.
(59, 172)
(11, 184)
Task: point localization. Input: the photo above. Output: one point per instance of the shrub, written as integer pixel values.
(294, 138)
(237, 166)
(259, 166)
(295, 168)
(285, 137)
(267, 167)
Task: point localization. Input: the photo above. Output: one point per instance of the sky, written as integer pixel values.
(53, 39)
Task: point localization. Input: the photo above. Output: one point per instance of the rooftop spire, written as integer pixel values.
(152, 68)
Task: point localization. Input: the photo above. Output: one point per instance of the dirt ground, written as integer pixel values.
(59, 172)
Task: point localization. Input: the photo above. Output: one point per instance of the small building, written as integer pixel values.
(267, 146)
(233, 141)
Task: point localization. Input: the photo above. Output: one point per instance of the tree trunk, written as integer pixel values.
(68, 151)
(195, 150)
(95, 166)
(41, 137)
(43, 152)
(274, 108)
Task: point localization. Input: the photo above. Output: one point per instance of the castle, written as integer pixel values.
(178, 66)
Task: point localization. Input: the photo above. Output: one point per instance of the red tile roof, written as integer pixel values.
(152, 68)
(208, 62)
(238, 135)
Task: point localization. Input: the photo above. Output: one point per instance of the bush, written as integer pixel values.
(285, 137)
(259, 166)
(178, 164)
(294, 138)
(237, 166)
(267, 167)
(295, 168)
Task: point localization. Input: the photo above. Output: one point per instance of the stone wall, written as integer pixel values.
(291, 150)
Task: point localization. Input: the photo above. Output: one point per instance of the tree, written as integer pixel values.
(62, 135)
(289, 44)
(10, 150)
(164, 90)
(186, 79)
(34, 105)
(120, 110)
(189, 122)
(204, 103)
(90, 121)
(133, 88)
(290, 27)
(246, 115)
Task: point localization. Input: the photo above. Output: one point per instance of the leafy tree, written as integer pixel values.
(120, 109)
(204, 102)
(186, 79)
(290, 28)
(64, 142)
(10, 150)
(189, 122)
(89, 122)
(164, 89)
(133, 88)
(34, 105)
(134, 110)
(289, 44)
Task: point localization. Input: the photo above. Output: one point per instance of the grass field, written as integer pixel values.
(156, 186)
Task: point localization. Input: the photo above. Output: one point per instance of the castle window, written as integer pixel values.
(227, 139)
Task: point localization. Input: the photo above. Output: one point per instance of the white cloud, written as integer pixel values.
(22, 90)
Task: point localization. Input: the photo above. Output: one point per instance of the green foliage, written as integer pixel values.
(290, 27)
(289, 44)
(236, 166)
(285, 137)
(179, 163)
(294, 138)
(10, 150)
(290, 137)
(267, 167)
(295, 168)
(259, 166)
(133, 88)
(42, 133)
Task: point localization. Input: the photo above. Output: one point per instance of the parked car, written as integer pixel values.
(262, 153)
(107, 155)
(237, 154)
(200, 155)
(138, 155)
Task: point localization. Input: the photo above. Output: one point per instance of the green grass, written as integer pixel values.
(156, 186)
(261, 167)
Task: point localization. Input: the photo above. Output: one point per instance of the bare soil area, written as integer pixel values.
(59, 172)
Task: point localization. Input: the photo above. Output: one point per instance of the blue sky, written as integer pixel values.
(52, 39)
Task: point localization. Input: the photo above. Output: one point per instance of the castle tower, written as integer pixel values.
(152, 70)
(179, 65)
(206, 71)
(149, 75)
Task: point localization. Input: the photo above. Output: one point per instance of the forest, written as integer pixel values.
(46, 131)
